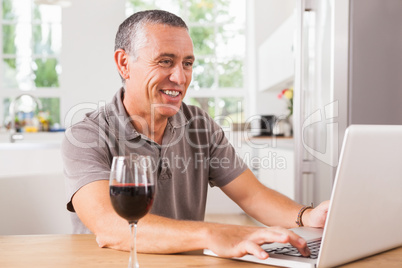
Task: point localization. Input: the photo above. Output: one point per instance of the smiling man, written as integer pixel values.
(154, 57)
(160, 74)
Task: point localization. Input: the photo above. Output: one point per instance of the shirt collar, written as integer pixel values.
(116, 110)
(179, 119)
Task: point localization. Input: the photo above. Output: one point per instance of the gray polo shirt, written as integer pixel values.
(194, 153)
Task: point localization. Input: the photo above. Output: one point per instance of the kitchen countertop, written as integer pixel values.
(32, 141)
(270, 142)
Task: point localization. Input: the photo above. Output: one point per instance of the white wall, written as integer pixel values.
(89, 73)
(268, 15)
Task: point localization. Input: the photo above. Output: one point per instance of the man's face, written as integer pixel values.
(159, 78)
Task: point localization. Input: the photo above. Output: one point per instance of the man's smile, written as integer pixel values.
(171, 93)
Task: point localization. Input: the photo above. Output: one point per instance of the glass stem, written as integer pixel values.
(133, 263)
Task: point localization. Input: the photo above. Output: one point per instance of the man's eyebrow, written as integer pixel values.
(190, 57)
(171, 55)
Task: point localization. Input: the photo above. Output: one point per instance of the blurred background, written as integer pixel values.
(57, 64)
(61, 52)
(284, 79)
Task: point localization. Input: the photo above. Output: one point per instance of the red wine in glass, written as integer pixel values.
(132, 202)
(131, 190)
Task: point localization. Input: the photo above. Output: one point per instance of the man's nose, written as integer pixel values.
(178, 76)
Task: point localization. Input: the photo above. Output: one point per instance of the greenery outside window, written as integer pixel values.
(217, 28)
(30, 51)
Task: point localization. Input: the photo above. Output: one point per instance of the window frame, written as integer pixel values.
(38, 92)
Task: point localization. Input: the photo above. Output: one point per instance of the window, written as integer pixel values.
(217, 28)
(30, 50)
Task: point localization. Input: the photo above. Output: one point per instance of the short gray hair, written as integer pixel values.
(131, 35)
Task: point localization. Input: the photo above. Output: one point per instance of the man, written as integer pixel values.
(154, 57)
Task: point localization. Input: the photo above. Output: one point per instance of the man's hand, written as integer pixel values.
(237, 241)
(316, 217)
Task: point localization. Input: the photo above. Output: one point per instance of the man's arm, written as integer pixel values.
(269, 206)
(162, 235)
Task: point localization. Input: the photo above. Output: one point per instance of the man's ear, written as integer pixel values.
(121, 59)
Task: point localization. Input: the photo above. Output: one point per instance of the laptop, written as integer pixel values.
(365, 213)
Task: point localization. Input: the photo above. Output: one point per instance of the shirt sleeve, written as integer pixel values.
(86, 158)
(224, 163)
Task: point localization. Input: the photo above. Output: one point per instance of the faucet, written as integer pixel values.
(14, 136)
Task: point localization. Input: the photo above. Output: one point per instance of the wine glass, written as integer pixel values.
(132, 190)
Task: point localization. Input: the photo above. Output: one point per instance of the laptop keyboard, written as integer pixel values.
(313, 245)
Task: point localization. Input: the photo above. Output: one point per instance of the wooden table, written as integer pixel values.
(82, 251)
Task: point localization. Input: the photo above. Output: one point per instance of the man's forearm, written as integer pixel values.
(282, 211)
(279, 209)
(156, 234)
(263, 204)
(163, 235)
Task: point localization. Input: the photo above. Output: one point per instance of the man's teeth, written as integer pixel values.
(171, 93)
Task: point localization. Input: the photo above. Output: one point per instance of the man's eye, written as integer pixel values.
(165, 63)
(188, 64)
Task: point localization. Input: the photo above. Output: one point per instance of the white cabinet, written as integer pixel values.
(271, 160)
(34, 204)
(275, 58)
(279, 176)
(32, 187)
(274, 164)
(217, 201)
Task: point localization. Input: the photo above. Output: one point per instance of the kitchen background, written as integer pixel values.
(248, 64)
